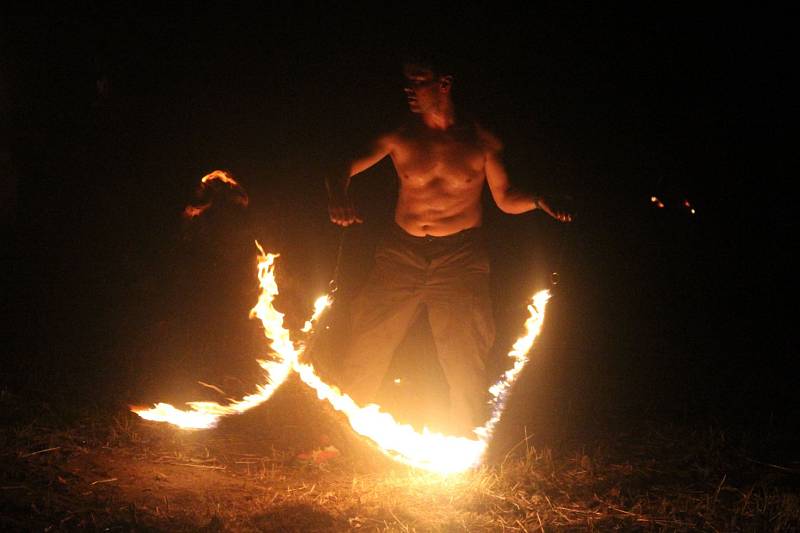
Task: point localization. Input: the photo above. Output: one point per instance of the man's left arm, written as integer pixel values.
(508, 198)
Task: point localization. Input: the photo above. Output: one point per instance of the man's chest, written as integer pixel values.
(441, 156)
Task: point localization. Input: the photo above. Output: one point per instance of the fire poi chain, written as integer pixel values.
(426, 449)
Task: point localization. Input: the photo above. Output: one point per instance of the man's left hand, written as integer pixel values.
(559, 214)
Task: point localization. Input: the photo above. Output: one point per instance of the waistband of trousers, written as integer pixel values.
(460, 236)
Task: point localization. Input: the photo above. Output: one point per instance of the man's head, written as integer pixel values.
(428, 86)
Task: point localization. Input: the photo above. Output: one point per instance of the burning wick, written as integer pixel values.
(428, 450)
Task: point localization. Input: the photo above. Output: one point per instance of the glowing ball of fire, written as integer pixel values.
(428, 450)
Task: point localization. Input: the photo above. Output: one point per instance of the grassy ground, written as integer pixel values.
(106, 469)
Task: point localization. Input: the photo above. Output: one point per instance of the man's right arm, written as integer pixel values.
(340, 206)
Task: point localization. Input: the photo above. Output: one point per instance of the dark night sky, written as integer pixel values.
(604, 107)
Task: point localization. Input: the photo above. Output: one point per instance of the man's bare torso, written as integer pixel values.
(441, 175)
(441, 163)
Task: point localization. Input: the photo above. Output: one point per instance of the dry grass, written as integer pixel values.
(115, 472)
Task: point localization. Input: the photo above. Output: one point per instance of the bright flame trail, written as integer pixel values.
(432, 451)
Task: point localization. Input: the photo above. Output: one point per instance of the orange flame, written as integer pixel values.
(241, 198)
(220, 175)
(426, 449)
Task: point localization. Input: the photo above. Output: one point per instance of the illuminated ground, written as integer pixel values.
(110, 470)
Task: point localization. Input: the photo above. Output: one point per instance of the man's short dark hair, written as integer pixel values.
(441, 63)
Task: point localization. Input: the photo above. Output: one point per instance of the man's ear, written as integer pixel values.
(446, 83)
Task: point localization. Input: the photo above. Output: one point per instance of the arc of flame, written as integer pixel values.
(220, 175)
(192, 211)
(426, 449)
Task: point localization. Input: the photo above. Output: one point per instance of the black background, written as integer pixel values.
(108, 292)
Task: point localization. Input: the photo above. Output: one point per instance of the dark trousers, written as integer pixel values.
(450, 276)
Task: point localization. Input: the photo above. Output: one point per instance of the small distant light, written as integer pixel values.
(693, 211)
(660, 205)
(397, 380)
(687, 204)
(653, 199)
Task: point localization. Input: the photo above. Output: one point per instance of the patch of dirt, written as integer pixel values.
(109, 470)
(256, 472)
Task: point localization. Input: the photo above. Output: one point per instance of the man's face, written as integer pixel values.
(424, 90)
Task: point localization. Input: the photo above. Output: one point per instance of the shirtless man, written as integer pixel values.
(434, 255)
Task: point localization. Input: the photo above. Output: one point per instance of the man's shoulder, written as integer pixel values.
(488, 139)
(402, 136)
(474, 128)
(394, 135)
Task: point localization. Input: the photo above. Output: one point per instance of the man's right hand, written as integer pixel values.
(342, 211)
